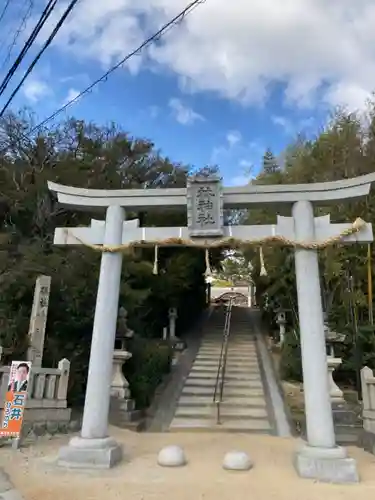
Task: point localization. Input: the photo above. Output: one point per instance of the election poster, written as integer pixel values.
(15, 399)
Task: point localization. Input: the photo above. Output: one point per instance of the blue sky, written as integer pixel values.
(218, 89)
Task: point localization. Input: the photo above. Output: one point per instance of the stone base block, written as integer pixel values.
(90, 453)
(368, 441)
(330, 465)
(122, 405)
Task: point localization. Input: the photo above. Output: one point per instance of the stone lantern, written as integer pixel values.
(120, 386)
(178, 344)
(281, 321)
(172, 315)
(333, 338)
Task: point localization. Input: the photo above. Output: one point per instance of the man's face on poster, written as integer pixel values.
(21, 373)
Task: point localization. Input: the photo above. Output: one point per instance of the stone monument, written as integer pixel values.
(38, 320)
(205, 199)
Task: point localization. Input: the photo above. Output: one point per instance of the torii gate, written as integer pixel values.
(205, 200)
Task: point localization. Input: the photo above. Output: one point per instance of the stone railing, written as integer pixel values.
(368, 411)
(46, 404)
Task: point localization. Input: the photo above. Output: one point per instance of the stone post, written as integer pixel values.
(94, 448)
(320, 458)
(62, 388)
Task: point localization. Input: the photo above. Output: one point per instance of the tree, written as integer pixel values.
(85, 155)
(270, 165)
(344, 148)
(235, 268)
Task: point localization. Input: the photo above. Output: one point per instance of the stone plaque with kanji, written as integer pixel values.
(205, 207)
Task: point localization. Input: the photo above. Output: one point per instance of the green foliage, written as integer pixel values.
(88, 156)
(345, 148)
(234, 268)
(270, 165)
(144, 371)
(290, 362)
(356, 353)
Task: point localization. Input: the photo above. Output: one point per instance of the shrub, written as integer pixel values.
(150, 362)
(290, 362)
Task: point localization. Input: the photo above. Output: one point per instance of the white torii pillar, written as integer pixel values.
(94, 447)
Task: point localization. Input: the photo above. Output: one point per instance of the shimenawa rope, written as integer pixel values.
(356, 227)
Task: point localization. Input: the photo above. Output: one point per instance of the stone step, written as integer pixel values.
(245, 376)
(232, 340)
(237, 383)
(241, 375)
(248, 363)
(233, 334)
(199, 400)
(230, 366)
(231, 351)
(228, 394)
(232, 412)
(205, 425)
(233, 358)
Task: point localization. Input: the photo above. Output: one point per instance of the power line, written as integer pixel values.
(3, 12)
(42, 20)
(103, 78)
(39, 55)
(19, 30)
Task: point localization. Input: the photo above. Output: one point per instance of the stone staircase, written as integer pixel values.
(244, 407)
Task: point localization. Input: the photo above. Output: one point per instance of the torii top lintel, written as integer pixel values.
(233, 197)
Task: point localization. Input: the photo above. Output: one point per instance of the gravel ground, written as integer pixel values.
(33, 472)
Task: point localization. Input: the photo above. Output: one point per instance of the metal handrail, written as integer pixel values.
(220, 377)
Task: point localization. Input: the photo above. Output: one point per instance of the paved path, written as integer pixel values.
(7, 490)
(140, 478)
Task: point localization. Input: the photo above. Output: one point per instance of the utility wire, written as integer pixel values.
(156, 36)
(3, 12)
(19, 30)
(39, 55)
(42, 20)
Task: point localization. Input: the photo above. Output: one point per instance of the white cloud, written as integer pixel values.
(182, 113)
(316, 49)
(35, 90)
(71, 95)
(234, 137)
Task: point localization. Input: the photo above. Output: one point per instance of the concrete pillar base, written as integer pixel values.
(90, 453)
(329, 465)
